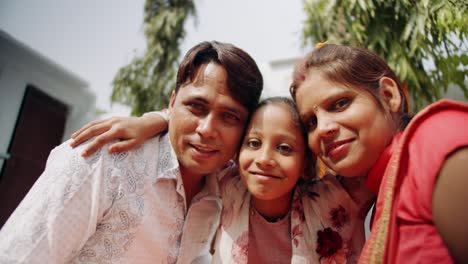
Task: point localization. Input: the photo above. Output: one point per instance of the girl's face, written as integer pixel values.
(346, 127)
(271, 158)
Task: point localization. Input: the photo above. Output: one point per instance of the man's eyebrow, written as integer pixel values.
(233, 109)
(198, 99)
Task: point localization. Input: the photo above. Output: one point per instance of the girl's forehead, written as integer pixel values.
(278, 113)
(268, 110)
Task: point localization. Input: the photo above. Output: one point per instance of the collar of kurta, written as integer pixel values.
(374, 178)
(168, 168)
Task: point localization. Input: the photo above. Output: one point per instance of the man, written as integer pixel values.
(159, 203)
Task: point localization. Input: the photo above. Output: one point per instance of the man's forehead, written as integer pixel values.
(210, 72)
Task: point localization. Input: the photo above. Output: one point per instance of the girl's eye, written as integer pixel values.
(285, 149)
(341, 104)
(253, 143)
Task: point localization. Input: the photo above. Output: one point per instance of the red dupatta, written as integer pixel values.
(381, 245)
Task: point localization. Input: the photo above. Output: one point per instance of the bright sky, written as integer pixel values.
(93, 39)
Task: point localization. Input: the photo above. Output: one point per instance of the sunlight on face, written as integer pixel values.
(271, 158)
(206, 123)
(346, 127)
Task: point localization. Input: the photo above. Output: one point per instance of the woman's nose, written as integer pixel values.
(327, 128)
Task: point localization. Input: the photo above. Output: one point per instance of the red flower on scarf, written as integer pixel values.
(329, 242)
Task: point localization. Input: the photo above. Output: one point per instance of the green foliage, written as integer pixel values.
(146, 82)
(424, 41)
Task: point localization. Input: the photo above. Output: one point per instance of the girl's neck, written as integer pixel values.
(273, 210)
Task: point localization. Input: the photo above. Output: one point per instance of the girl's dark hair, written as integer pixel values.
(355, 67)
(244, 80)
(309, 158)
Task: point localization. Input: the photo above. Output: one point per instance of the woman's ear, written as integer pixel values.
(390, 94)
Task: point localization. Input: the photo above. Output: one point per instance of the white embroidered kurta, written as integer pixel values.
(113, 208)
(327, 221)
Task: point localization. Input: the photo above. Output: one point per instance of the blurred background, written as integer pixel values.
(64, 63)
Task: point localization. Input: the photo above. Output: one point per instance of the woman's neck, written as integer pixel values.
(273, 210)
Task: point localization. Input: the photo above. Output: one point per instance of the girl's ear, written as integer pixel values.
(172, 100)
(390, 94)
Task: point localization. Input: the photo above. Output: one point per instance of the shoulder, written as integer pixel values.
(431, 137)
(440, 121)
(436, 132)
(143, 159)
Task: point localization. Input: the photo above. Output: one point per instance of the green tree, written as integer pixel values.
(424, 41)
(146, 82)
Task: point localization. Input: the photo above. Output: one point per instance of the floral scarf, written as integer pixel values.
(327, 221)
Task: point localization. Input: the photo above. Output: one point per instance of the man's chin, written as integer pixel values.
(201, 167)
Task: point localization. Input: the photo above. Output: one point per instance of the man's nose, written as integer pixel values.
(207, 126)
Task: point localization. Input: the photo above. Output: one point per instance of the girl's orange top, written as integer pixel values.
(404, 177)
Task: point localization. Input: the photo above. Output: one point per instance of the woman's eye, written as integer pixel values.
(285, 149)
(311, 124)
(342, 103)
(253, 143)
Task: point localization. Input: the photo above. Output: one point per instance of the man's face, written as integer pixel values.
(206, 123)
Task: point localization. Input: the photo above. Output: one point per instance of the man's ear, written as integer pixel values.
(172, 100)
(390, 94)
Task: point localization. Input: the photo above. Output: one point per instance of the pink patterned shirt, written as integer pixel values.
(113, 208)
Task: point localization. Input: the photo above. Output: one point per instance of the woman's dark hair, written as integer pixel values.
(244, 80)
(355, 67)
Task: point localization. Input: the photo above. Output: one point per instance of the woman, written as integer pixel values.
(356, 114)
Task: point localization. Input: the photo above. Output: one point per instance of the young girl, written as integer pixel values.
(276, 211)
(356, 113)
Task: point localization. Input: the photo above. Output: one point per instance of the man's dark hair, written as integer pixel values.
(244, 80)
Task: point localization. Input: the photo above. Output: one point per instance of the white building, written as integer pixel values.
(41, 104)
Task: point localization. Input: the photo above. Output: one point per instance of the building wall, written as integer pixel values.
(20, 66)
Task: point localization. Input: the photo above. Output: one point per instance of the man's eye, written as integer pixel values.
(253, 143)
(285, 149)
(196, 108)
(230, 117)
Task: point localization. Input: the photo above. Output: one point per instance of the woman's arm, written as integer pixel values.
(132, 131)
(449, 204)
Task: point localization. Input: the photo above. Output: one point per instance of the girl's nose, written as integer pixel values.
(265, 158)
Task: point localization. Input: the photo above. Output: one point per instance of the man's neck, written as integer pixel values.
(193, 184)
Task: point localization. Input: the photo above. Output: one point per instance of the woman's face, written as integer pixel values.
(272, 154)
(346, 127)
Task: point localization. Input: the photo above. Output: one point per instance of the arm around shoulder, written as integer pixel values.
(132, 132)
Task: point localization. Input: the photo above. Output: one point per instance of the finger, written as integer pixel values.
(124, 145)
(98, 142)
(88, 125)
(90, 132)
